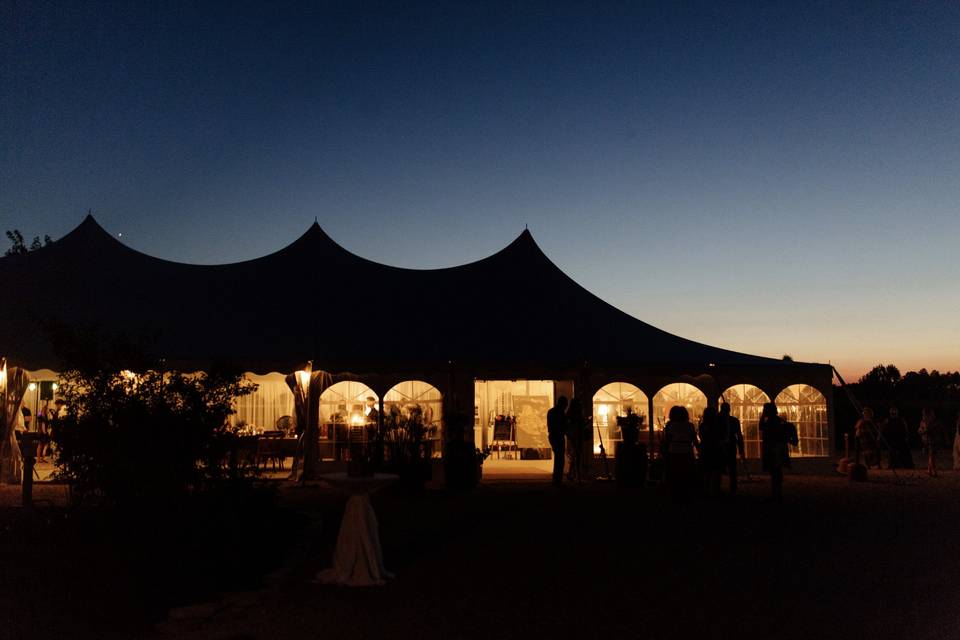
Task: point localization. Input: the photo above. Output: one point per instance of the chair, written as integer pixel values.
(504, 438)
(269, 449)
(285, 424)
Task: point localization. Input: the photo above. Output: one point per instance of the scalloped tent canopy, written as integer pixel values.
(514, 308)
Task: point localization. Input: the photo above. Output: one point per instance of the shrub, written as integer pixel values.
(151, 436)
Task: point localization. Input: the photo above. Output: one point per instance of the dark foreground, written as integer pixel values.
(835, 560)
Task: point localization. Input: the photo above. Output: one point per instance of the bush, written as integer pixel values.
(152, 436)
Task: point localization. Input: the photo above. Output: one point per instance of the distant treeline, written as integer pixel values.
(884, 387)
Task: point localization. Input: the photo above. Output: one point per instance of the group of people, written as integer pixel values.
(568, 431)
(718, 440)
(42, 423)
(892, 435)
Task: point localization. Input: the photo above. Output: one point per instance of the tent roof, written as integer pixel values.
(313, 299)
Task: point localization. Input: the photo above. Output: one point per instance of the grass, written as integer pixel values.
(524, 560)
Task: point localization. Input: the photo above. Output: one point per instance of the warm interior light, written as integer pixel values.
(357, 418)
(32, 386)
(603, 410)
(54, 386)
(303, 379)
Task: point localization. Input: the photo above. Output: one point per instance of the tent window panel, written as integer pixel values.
(344, 414)
(682, 394)
(417, 396)
(746, 403)
(806, 407)
(263, 408)
(613, 401)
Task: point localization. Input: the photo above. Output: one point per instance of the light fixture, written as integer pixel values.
(32, 386)
(54, 386)
(357, 419)
(303, 377)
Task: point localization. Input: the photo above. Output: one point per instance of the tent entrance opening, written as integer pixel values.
(510, 420)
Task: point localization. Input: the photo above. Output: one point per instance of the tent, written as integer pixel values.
(512, 315)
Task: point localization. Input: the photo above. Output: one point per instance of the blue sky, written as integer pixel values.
(769, 177)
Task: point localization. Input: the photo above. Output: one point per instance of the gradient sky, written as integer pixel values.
(771, 178)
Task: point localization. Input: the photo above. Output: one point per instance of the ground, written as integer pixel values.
(522, 560)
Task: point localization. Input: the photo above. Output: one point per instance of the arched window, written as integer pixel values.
(263, 408)
(806, 407)
(611, 402)
(412, 397)
(746, 402)
(678, 393)
(348, 410)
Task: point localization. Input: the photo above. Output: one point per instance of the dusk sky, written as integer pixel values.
(770, 178)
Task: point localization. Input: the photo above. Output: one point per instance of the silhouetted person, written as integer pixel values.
(371, 413)
(556, 432)
(711, 451)
(679, 441)
(865, 433)
(932, 437)
(956, 445)
(732, 444)
(630, 460)
(897, 438)
(776, 434)
(576, 426)
(43, 428)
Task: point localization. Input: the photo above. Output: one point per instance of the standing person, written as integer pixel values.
(895, 433)
(371, 415)
(732, 444)
(932, 437)
(556, 433)
(711, 451)
(679, 441)
(775, 435)
(576, 423)
(865, 433)
(43, 418)
(956, 445)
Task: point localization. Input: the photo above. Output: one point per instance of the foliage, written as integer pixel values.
(884, 387)
(19, 247)
(406, 442)
(151, 436)
(406, 437)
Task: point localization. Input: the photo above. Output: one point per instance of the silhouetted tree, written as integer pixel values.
(882, 376)
(19, 247)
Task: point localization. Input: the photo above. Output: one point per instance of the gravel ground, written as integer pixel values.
(835, 560)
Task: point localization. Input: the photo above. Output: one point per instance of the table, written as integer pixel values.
(357, 558)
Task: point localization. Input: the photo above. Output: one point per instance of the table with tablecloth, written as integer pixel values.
(357, 557)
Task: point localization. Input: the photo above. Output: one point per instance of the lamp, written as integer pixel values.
(303, 377)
